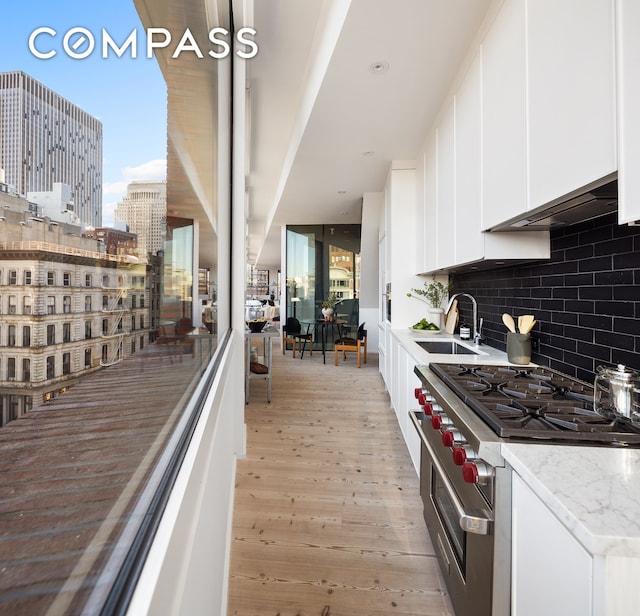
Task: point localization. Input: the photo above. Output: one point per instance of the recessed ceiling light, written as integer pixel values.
(342, 192)
(368, 153)
(379, 67)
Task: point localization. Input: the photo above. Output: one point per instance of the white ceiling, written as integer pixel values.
(317, 107)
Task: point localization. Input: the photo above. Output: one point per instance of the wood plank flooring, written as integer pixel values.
(327, 515)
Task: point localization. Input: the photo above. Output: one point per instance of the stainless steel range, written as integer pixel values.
(466, 412)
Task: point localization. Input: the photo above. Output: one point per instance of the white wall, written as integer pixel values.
(370, 294)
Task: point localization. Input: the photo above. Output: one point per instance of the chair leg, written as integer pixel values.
(335, 356)
(358, 352)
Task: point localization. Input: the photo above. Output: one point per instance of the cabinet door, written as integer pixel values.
(551, 571)
(571, 96)
(469, 240)
(445, 221)
(628, 49)
(504, 190)
(427, 202)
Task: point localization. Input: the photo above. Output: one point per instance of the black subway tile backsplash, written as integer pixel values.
(586, 298)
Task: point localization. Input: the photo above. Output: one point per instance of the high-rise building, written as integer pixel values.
(144, 210)
(45, 139)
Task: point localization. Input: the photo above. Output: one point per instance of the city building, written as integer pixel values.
(45, 139)
(68, 308)
(115, 241)
(56, 203)
(144, 210)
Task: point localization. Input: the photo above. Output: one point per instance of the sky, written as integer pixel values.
(127, 95)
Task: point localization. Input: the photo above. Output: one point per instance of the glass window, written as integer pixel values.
(66, 304)
(12, 304)
(66, 332)
(169, 274)
(27, 277)
(11, 336)
(66, 363)
(105, 326)
(26, 304)
(26, 336)
(26, 370)
(51, 367)
(51, 334)
(323, 261)
(11, 368)
(13, 277)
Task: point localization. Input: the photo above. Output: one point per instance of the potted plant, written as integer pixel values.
(328, 305)
(434, 295)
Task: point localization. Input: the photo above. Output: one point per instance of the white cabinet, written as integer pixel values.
(404, 382)
(504, 165)
(427, 204)
(468, 181)
(450, 189)
(548, 108)
(551, 573)
(571, 85)
(628, 60)
(445, 171)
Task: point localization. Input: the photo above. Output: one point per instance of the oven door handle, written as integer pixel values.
(473, 521)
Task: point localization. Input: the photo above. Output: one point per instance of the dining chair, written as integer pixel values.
(357, 344)
(292, 334)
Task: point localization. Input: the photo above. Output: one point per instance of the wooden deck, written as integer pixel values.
(328, 518)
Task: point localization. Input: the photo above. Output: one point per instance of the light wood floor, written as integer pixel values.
(328, 518)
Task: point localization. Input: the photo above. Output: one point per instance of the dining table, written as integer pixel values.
(324, 325)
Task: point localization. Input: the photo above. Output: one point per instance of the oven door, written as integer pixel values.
(461, 532)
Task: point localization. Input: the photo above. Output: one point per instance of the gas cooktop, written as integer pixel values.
(535, 403)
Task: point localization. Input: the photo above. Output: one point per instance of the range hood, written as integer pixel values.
(579, 206)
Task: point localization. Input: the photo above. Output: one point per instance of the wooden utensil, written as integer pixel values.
(525, 323)
(507, 319)
(528, 327)
(452, 318)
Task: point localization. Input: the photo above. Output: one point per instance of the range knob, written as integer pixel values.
(475, 471)
(462, 453)
(438, 421)
(427, 407)
(451, 436)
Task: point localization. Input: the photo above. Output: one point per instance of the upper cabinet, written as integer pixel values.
(549, 117)
(504, 70)
(571, 82)
(628, 59)
(450, 185)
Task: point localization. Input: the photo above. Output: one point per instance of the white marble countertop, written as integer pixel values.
(485, 354)
(593, 491)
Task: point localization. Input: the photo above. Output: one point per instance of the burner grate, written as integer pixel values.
(535, 403)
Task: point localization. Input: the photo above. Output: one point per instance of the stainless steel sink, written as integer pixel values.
(447, 347)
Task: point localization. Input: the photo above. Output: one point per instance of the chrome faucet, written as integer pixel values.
(477, 331)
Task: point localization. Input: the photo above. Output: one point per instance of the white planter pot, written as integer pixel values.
(436, 316)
